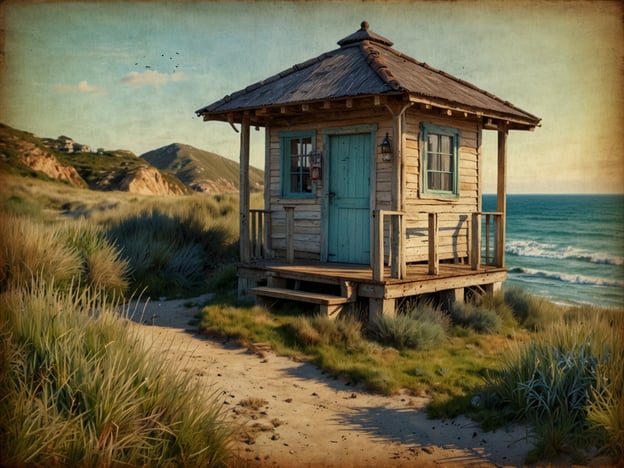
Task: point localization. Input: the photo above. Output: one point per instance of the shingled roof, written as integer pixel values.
(365, 65)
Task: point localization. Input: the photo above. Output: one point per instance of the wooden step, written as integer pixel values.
(330, 305)
(300, 296)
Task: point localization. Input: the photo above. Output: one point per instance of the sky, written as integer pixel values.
(130, 75)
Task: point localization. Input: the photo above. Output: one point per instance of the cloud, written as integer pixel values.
(82, 87)
(151, 78)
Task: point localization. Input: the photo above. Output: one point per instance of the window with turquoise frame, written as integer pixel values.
(296, 148)
(440, 160)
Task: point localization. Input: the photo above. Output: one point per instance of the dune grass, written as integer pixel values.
(567, 384)
(81, 389)
(161, 246)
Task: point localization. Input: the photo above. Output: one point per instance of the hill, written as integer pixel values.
(171, 170)
(201, 170)
(66, 161)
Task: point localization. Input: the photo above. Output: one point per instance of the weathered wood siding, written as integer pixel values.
(308, 211)
(454, 213)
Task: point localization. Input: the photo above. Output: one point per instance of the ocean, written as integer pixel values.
(568, 248)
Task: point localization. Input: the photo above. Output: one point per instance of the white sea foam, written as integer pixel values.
(571, 278)
(529, 248)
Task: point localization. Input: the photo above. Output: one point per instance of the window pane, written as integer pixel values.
(433, 143)
(440, 167)
(294, 147)
(299, 165)
(305, 146)
(445, 144)
(445, 162)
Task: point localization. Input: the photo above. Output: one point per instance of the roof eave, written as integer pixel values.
(514, 121)
(235, 115)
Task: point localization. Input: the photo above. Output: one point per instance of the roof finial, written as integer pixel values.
(364, 34)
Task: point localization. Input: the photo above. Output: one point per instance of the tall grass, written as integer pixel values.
(63, 253)
(567, 384)
(80, 389)
(102, 265)
(476, 317)
(532, 312)
(29, 249)
(419, 325)
(164, 246)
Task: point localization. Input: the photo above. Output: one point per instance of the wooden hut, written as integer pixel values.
(373, 166)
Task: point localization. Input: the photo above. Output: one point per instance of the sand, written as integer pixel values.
(292, 415)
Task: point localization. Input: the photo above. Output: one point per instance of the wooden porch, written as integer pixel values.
(281, 276)
(332, 285)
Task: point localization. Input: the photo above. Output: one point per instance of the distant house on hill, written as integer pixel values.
(68, 145)
(372, 179)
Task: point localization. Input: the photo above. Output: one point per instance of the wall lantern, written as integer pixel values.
(386, 149)
(316, 163)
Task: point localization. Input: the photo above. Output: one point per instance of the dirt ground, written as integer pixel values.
(292, 415)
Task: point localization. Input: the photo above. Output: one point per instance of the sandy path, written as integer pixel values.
(304, 418)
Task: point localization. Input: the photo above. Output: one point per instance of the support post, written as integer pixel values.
(397, 110)
(451, 296)
(475, 240)
(501, 196)
(434, 261)
(378, 246)
(268, 248)
(290, 233)
(245, 253)
(380, 306)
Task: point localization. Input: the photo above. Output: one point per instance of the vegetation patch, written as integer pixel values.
(561, 378)
(567, 384)
(80, 389)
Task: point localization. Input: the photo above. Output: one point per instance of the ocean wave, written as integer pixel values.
(570, 278)
(524, 248)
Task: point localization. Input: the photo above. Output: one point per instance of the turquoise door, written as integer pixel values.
(348, 238)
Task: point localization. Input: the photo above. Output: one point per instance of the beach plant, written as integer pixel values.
(170, 253)
(496, 301)
(102, 266)
(531, 311)
(29, 249)
(564, 384)
(80, 388)
(321, 330)
(476, 317)
(404, 331)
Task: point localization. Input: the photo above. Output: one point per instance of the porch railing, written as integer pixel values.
(486, 241)
(396, 236)
(259, 240)
(485, 236)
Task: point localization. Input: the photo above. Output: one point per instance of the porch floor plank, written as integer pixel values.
(336, 273)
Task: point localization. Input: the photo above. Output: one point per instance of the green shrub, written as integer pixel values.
(170, 252)
(223, 280)
(426, 310)
(475, 317)
(320, 330)
(402, 331)
(532, 312)
(80, 389)
(496, 301)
